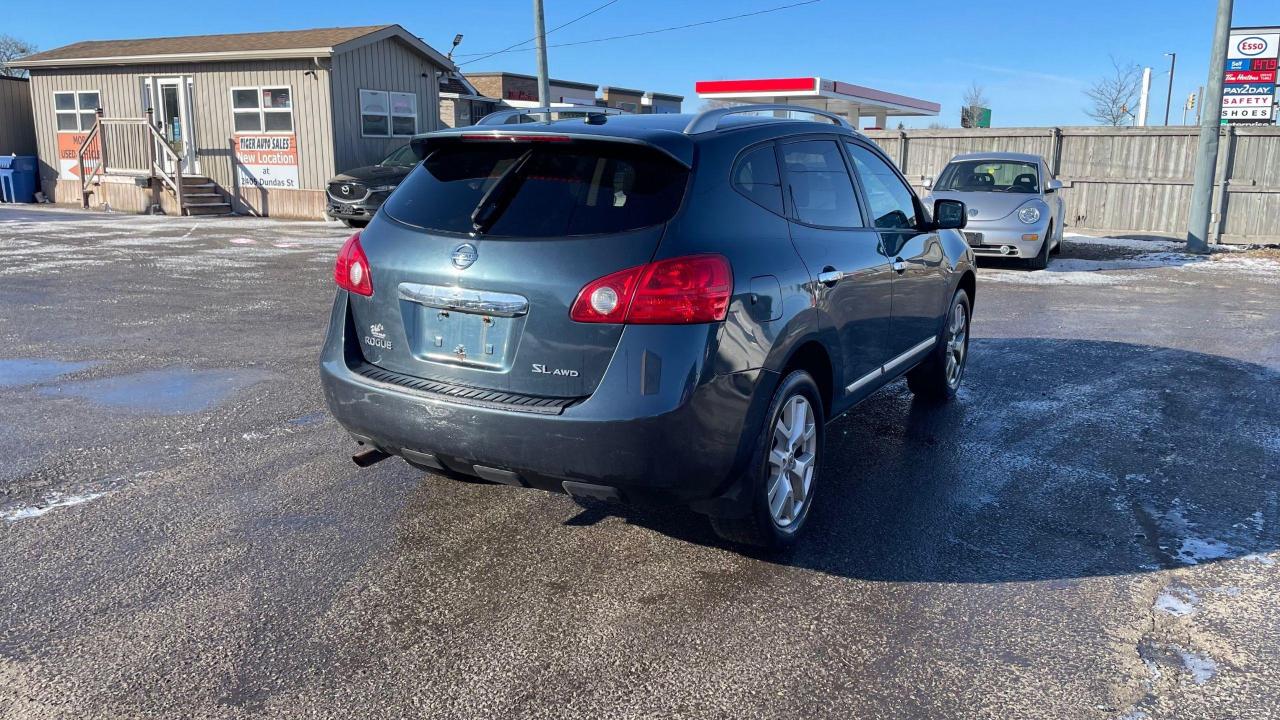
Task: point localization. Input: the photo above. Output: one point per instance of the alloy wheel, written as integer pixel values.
(957, 343)
(792, 460)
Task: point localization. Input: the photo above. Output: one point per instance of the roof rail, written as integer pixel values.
(501, 116)
(709, 120)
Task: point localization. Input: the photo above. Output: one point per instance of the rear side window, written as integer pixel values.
(756, 177)
(819, 183)
(890, 199)
(579, 188)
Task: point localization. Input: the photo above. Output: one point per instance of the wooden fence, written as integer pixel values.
(1124, 180)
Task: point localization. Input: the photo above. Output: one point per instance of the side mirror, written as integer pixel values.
(1053, 186)
(927, 181)
(950, 215)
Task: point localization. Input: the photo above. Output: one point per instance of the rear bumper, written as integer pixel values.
(682, 439)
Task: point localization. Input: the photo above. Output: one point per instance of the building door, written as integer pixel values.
(174, 113)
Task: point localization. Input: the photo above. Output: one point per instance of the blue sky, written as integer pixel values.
(1033, 58)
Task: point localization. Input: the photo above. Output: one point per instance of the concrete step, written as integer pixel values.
(209, 209)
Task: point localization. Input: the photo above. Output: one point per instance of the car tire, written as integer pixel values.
(936, 378)
(782, 462)
(355, 223)
(1041, 260)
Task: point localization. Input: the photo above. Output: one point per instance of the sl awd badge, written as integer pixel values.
(464, 256)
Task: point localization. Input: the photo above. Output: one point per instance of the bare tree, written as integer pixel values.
(937, 125)
(975, 101)
(1114, 95)
(11, 48)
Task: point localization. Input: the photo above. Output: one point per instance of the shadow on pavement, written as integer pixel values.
(1060, 459)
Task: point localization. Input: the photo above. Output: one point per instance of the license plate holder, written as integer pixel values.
(463, 338)
(974, 238)
(462, 327)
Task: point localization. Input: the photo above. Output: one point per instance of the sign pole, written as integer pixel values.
(1168, 98)
(1210, 128)
(540, 35)
(1142, 99)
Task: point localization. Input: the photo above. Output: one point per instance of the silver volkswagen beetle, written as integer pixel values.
(1015, 209)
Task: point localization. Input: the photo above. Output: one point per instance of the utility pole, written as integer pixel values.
(1210, 128)
(1173, 60)
(540, 34)
(1143, 98)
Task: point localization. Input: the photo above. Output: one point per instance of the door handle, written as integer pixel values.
(899, 265)
(830, 276)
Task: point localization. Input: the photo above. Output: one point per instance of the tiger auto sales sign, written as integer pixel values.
(1249, 79)
(268, 161)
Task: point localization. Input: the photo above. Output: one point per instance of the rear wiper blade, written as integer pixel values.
(495, 200)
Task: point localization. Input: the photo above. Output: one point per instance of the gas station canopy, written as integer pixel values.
(846, 99)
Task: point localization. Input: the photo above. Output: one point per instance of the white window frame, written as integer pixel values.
(261, 111)
(391, 114)
(76, 112)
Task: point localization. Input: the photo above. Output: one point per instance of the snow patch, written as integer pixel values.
(1177, 601)
(1130, 243)
(1260, 558)
(53, 501)
(1201, 667)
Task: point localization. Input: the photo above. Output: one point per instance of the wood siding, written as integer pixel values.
(121, 96)
(384, 65)
(1135, 180)
(17, 127)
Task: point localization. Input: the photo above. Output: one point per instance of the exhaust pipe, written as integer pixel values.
(369, 457)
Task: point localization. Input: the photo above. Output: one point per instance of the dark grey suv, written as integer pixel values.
(652, 309)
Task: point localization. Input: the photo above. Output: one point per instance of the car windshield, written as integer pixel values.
(990, 176)
(403, 156)
(578, 188)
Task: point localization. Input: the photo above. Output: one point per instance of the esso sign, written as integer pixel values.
(1251, 46)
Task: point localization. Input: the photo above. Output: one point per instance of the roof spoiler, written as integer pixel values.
(681, 152)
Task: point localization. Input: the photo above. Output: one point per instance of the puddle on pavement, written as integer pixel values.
(168, 392)
(29, 371)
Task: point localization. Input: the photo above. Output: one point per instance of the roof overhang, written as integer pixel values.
(235, 55)
(814, 92)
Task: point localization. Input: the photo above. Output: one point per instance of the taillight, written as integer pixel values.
(351, 272)
(676, 291)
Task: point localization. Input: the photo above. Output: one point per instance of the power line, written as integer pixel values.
(652, 32)
(526, 42)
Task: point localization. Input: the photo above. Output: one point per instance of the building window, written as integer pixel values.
(384, 113)
(262, 110)
(75, 111)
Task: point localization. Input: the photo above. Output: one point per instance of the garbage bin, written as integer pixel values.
(17, 178)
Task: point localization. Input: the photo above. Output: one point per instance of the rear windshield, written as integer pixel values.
(578, 188)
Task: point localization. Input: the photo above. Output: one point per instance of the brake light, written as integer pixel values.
(502, 137)
(676, 291)
(351, 272)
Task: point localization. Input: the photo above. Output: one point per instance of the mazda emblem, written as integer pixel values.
(346, 189)
(464, 256)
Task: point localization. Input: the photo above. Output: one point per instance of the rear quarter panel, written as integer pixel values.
(772, 307)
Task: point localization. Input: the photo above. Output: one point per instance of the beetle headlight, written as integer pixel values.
(1029, 215)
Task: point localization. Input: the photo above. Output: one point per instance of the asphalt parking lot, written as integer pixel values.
(1090, 531)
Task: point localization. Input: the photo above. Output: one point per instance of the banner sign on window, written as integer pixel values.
(267, 161)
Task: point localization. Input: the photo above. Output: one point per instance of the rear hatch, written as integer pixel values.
(481, 298)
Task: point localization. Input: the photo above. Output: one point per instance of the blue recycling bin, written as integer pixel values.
(17, 178)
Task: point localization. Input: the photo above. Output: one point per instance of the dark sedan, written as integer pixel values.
(354, 196)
